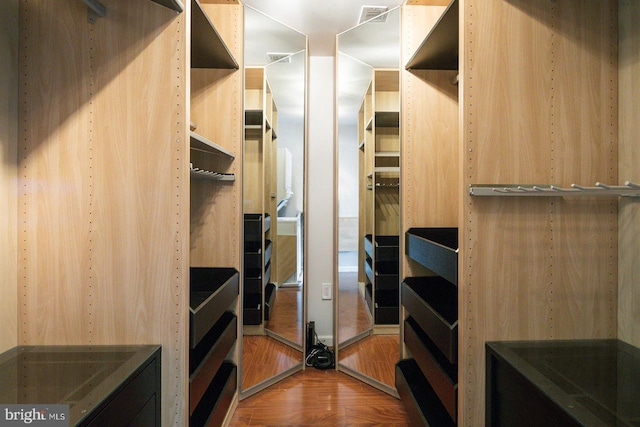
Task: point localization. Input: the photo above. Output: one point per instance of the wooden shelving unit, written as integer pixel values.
(525, 268)
(379, 184)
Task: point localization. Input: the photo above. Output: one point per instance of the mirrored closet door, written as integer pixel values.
(274, 159)
(368, 153)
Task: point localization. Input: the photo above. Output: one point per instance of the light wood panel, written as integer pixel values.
(538, 106)
(103, 170)
(8, 173)
(430, 147)
(629, 159)
(320, 397)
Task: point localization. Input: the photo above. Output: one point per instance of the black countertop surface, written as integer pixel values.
(597, 382)
(80, 376)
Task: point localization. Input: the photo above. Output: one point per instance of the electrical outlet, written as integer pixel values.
(326, 291)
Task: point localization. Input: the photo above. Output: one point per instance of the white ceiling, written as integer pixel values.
(321, 20)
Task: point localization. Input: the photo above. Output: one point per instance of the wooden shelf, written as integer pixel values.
(384, 119)
(439, 50)
(171, 4)
(207, 48)
(199, 142)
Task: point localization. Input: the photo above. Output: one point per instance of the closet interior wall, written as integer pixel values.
(536, 103)
(8, 173)
(629, 169)
(104, 188)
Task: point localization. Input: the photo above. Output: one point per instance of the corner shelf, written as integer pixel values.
(630, 189)
(439, 50)
(207, 48)
(384, 119)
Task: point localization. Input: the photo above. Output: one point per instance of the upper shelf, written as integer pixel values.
(171, 4)
(207, 48)
(385, 119)
(628, 190)
(201, 143)
(439, 50)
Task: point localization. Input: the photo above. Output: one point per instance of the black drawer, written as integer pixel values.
(252, 309)
(253, 256)
(418, 398)
(254, 281)
(387, 276)
(216, 401)
(385, 248)
(386, 308)
(212, 291)
(441, 377)
(253, 231)
(206, 359)
(436, 249)
(433, 303)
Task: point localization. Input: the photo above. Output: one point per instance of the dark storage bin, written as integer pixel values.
(418, 398)
(368, 296)
(385, 248)
(433, 303)
(387, 276)
(442, 377)
(436, 249)
(253, 231)
(252, 309)
(253, 256)
(208, 356)
(387, 308)
(269, 300)
(368, 269)
(254, 282)
(216, 401)
(212, 291)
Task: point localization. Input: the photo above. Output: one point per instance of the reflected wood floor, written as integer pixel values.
(286, 315)
(316, 397)
(263, 357)
(374, 356)
(353, 313)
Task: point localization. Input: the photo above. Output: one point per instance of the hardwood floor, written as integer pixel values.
(374, 356)
(263, 357)
(286, 317)
(316, 397)
(353, 312)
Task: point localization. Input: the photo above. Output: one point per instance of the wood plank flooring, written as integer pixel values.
(374, 356)
(353, 312)
(263, 358)
(286, 316)
(316, 397)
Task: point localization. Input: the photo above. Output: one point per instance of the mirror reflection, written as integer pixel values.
(274, 150)
(368, 200)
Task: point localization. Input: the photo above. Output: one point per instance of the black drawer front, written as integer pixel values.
(140, 393)
(216, 347)
(216, 401)
(418, 398)
(215, 290)
(433, 303)
(441, 382)
(436, 249)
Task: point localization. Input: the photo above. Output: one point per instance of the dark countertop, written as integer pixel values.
(81, 376)
(597, 382)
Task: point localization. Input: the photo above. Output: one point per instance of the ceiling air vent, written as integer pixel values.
(279, 57)
(373, 13)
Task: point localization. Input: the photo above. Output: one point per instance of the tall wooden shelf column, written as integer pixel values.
(526, 269)
(379, 203)
(261, 145)
(216, 209)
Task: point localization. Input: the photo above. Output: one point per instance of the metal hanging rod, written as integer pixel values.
(629, 189)
(218, 176)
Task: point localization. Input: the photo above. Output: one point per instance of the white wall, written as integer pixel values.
(320, 194)
(8, 172)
